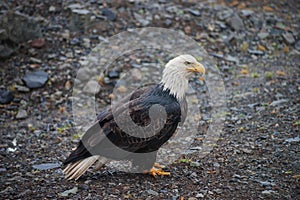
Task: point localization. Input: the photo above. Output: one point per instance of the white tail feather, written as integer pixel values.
(75, 170)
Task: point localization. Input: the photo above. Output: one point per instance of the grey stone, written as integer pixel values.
(288, 38)
(297, 45)
(194, 12)
(21, 88)
(291, 140)
(92, 87)
(3, 34)
(279, 102)
(224, 14)
(255, 52)
(152, 192)
(262, 35)
(109, 14)
(20, 27)
(141, 20)
(6, 96)
(7, 50)
(246, 13)
(235, 22)
(80, 19)
(46, 166)
(35, 79)
(22, 114)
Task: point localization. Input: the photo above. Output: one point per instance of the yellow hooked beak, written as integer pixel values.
(197, 68)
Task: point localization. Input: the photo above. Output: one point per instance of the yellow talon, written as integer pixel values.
(156, 170)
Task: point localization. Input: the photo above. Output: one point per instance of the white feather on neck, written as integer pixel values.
(175, 80)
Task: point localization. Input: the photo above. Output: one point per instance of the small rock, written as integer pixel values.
(195, 164)
(266, 183)
(35, 60)
(292, 140)
(38, 43)
(83, 74)
(262, 35)
(199, 195)
(92, 87)
(136, 74)
(6, 96)
(224, 14)
(46, 166)
(235, 22)
(141, 20)
(231, 59)
(3, 34)
(297, 45)
(152, 192)
(35, 79)
(246, 13)
(22, 114)
(71, 191)
(194, 12)
(81, 11)
(113, 74)
(168, 22)
(7, 50)
(20, 27)
(268, 192)
(256, 52)
(278, 102)
(21, 88)
(109, 14)
(288, 38)
(52, 9)
(261, 47)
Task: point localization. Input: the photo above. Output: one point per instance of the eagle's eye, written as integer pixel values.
(187, 63)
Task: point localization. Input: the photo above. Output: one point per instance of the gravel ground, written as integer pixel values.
(256, 47)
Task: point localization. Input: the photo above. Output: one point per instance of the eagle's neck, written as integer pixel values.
(175, 82)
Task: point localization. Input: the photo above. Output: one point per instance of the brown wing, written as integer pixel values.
(108, 138)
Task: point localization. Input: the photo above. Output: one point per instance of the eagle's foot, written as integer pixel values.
(157, 170)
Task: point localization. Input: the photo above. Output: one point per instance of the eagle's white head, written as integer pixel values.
(177, 73)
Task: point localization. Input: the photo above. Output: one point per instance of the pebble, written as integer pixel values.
(195, 164)
(279, 102)
(92, 87)
(246, 13)
(288, 38)
(21, 88)
(35, 79)
(113, 74)
(152, 192)
(109, 14)
(194, 12)
(38, 43)
(52, 9)
(297, 45)
(292, 140)
(255, 52)
(268, 192)
(141, 20)
(22, 114)
(83, 74)
(46, 166)
(235, 22)
(6, 96)
(263, 34)
(199, 195)
(136, 74)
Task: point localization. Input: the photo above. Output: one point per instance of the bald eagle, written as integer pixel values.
(107, 140)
